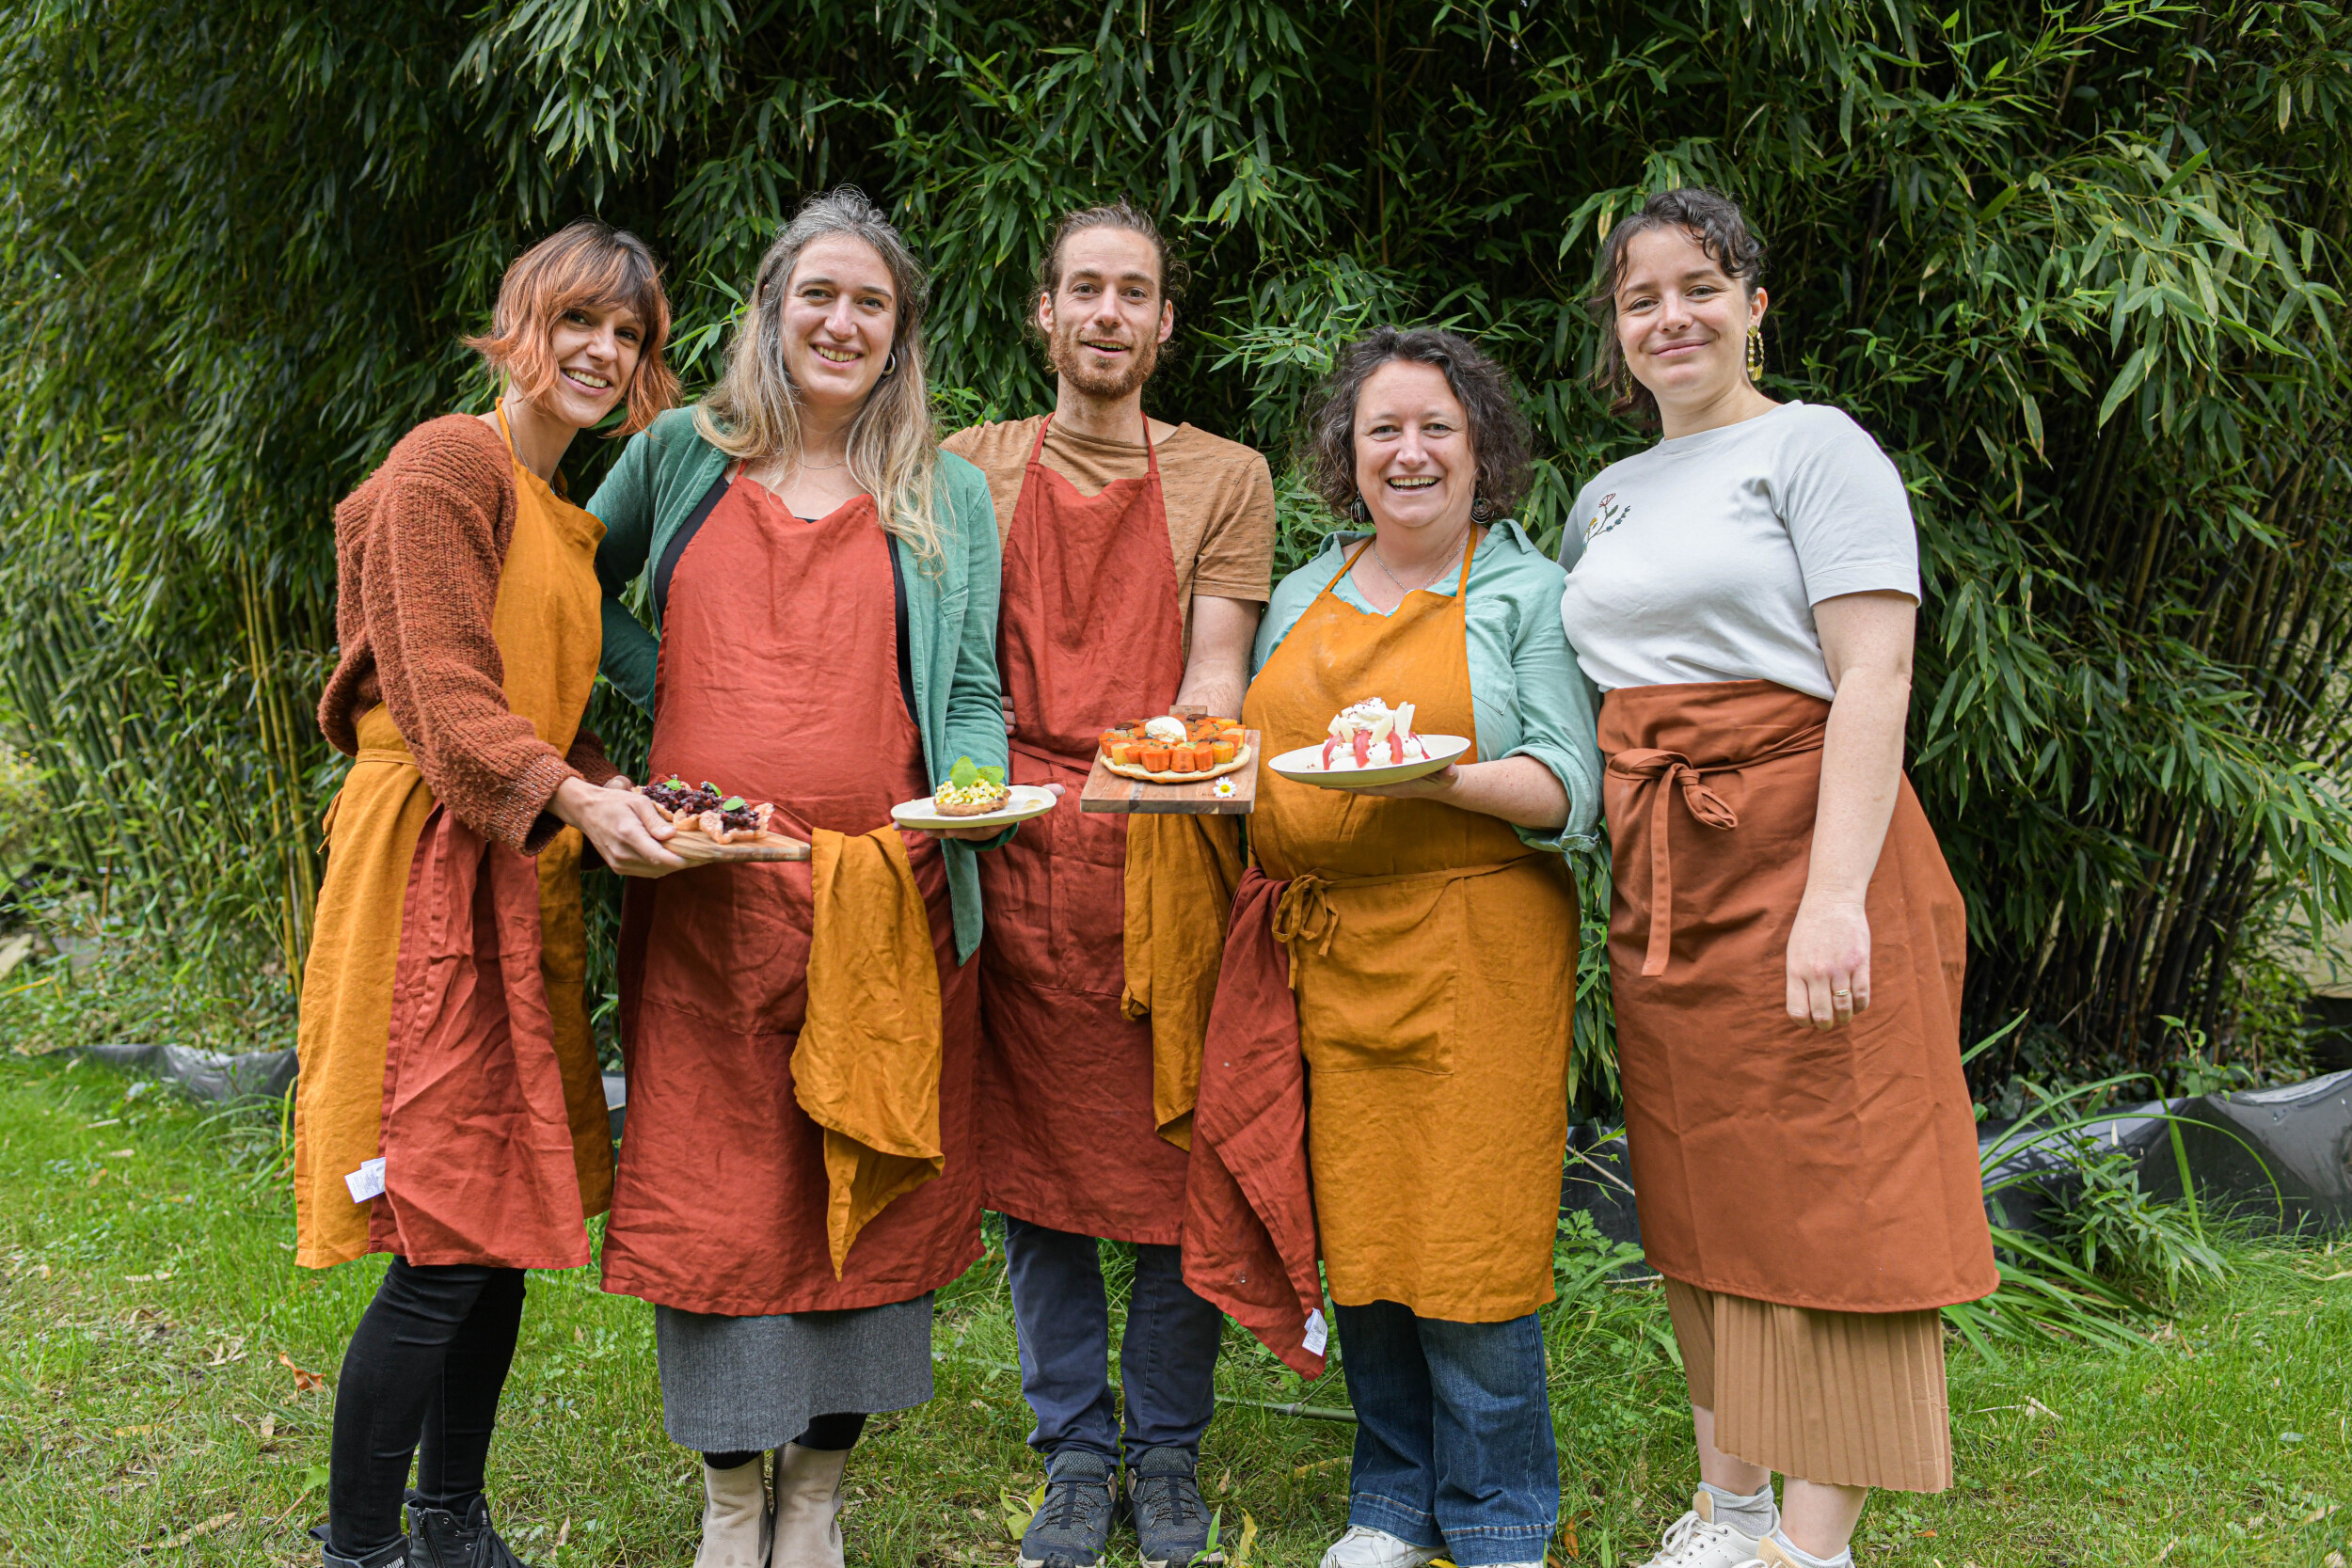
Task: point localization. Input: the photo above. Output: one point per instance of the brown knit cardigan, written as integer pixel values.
(418, 551)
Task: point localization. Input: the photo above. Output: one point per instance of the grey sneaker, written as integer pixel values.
(1073, 1523)
(1171, 1521)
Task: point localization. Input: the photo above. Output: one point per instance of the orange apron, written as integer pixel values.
(444, 1018)
(778, 679)
(1436, 977)
(1089, 634)
(1833, 1169)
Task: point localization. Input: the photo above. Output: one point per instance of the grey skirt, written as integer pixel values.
(734, 1384)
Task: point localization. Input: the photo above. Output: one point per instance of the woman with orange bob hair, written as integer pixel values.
(449, 1109)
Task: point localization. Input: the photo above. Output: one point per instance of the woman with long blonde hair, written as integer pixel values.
(796, 1176)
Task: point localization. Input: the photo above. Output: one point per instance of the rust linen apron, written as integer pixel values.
(1436, 965)
(1833, 1169)
(1090, 635)
(1250, 1214)
(778, 680)
(493, 1127)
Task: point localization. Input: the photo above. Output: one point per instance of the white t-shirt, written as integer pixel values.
(1702, 559)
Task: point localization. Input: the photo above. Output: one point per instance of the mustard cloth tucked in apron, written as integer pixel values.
(548, 625)
(1435, 975)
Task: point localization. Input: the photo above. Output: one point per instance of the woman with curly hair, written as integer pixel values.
(464, 1131)
(1424, 923)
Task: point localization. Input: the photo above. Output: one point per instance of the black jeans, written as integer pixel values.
(420, 1380)
(830, 1433)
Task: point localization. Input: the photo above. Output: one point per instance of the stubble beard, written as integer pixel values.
(1072, 362)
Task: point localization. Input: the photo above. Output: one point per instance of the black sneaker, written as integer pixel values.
(439, 1539)
(1171, 1521)
(393, 1556)
(1073, 1523)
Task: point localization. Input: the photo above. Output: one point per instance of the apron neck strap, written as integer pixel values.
(1461, 586)
(1151, 454)
(561, 490)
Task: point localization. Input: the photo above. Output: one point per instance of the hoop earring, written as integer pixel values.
(1756, 354)
(890, 367)
(1482, 510)
(1357, 509)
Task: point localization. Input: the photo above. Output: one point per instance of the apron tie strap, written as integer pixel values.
(1305, 913)
(1664, 770)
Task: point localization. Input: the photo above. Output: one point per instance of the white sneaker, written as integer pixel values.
(1697, 1541)
(1364, 1548)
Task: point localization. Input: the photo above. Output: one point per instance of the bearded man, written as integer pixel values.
(1138, 556)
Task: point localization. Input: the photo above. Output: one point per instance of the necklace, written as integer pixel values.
(1376, 561)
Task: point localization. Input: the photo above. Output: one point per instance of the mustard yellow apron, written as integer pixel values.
(548, 625)
(1435, 975)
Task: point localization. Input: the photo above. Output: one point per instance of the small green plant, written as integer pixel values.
(2119, 1232)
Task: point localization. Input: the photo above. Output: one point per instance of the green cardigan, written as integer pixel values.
(951, 608)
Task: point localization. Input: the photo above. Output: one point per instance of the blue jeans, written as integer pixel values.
(1453, 1444)
(1166, 1363)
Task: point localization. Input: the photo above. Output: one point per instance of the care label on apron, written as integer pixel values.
(1317, 1334)
(367, 1182)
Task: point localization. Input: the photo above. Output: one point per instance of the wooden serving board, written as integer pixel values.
(697, 849)
(1108, 791)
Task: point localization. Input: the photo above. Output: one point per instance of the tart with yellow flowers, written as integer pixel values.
(971, 790)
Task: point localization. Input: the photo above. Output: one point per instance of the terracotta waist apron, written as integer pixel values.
(444, 1022)
(1434, 973)
(1831, 1169)
(778, 680)
(1089, 634)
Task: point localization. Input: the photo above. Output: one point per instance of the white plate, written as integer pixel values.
(1306, 765)
(1028, 801)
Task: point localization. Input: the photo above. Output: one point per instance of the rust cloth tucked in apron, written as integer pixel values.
(1090, 635)
(481, 1094)
(1249, 1210)
(1435, 964)
(1833, 1169)
(1182, 871)
(778, 679)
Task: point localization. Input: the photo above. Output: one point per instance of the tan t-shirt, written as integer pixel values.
(1218, 493)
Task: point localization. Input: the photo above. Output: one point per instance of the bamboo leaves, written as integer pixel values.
(2076, 268)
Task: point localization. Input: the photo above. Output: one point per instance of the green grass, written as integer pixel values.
(149, 1312)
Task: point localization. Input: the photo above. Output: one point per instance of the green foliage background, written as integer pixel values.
(2074, 263)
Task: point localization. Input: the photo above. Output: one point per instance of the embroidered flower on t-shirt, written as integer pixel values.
(1609, 516)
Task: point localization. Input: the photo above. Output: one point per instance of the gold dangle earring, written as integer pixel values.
(1755, 355)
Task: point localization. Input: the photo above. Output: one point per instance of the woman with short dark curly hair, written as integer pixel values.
(1786, 943)
(1427, 920)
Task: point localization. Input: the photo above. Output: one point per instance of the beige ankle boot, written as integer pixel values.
(735, 1517)
(808, 1506)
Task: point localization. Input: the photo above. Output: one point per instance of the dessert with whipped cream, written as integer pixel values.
(1371, 734)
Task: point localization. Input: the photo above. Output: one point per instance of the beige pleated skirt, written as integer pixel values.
(1852, 1399)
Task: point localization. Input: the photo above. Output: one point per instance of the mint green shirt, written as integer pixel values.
(1528, 694)
(951, 609)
